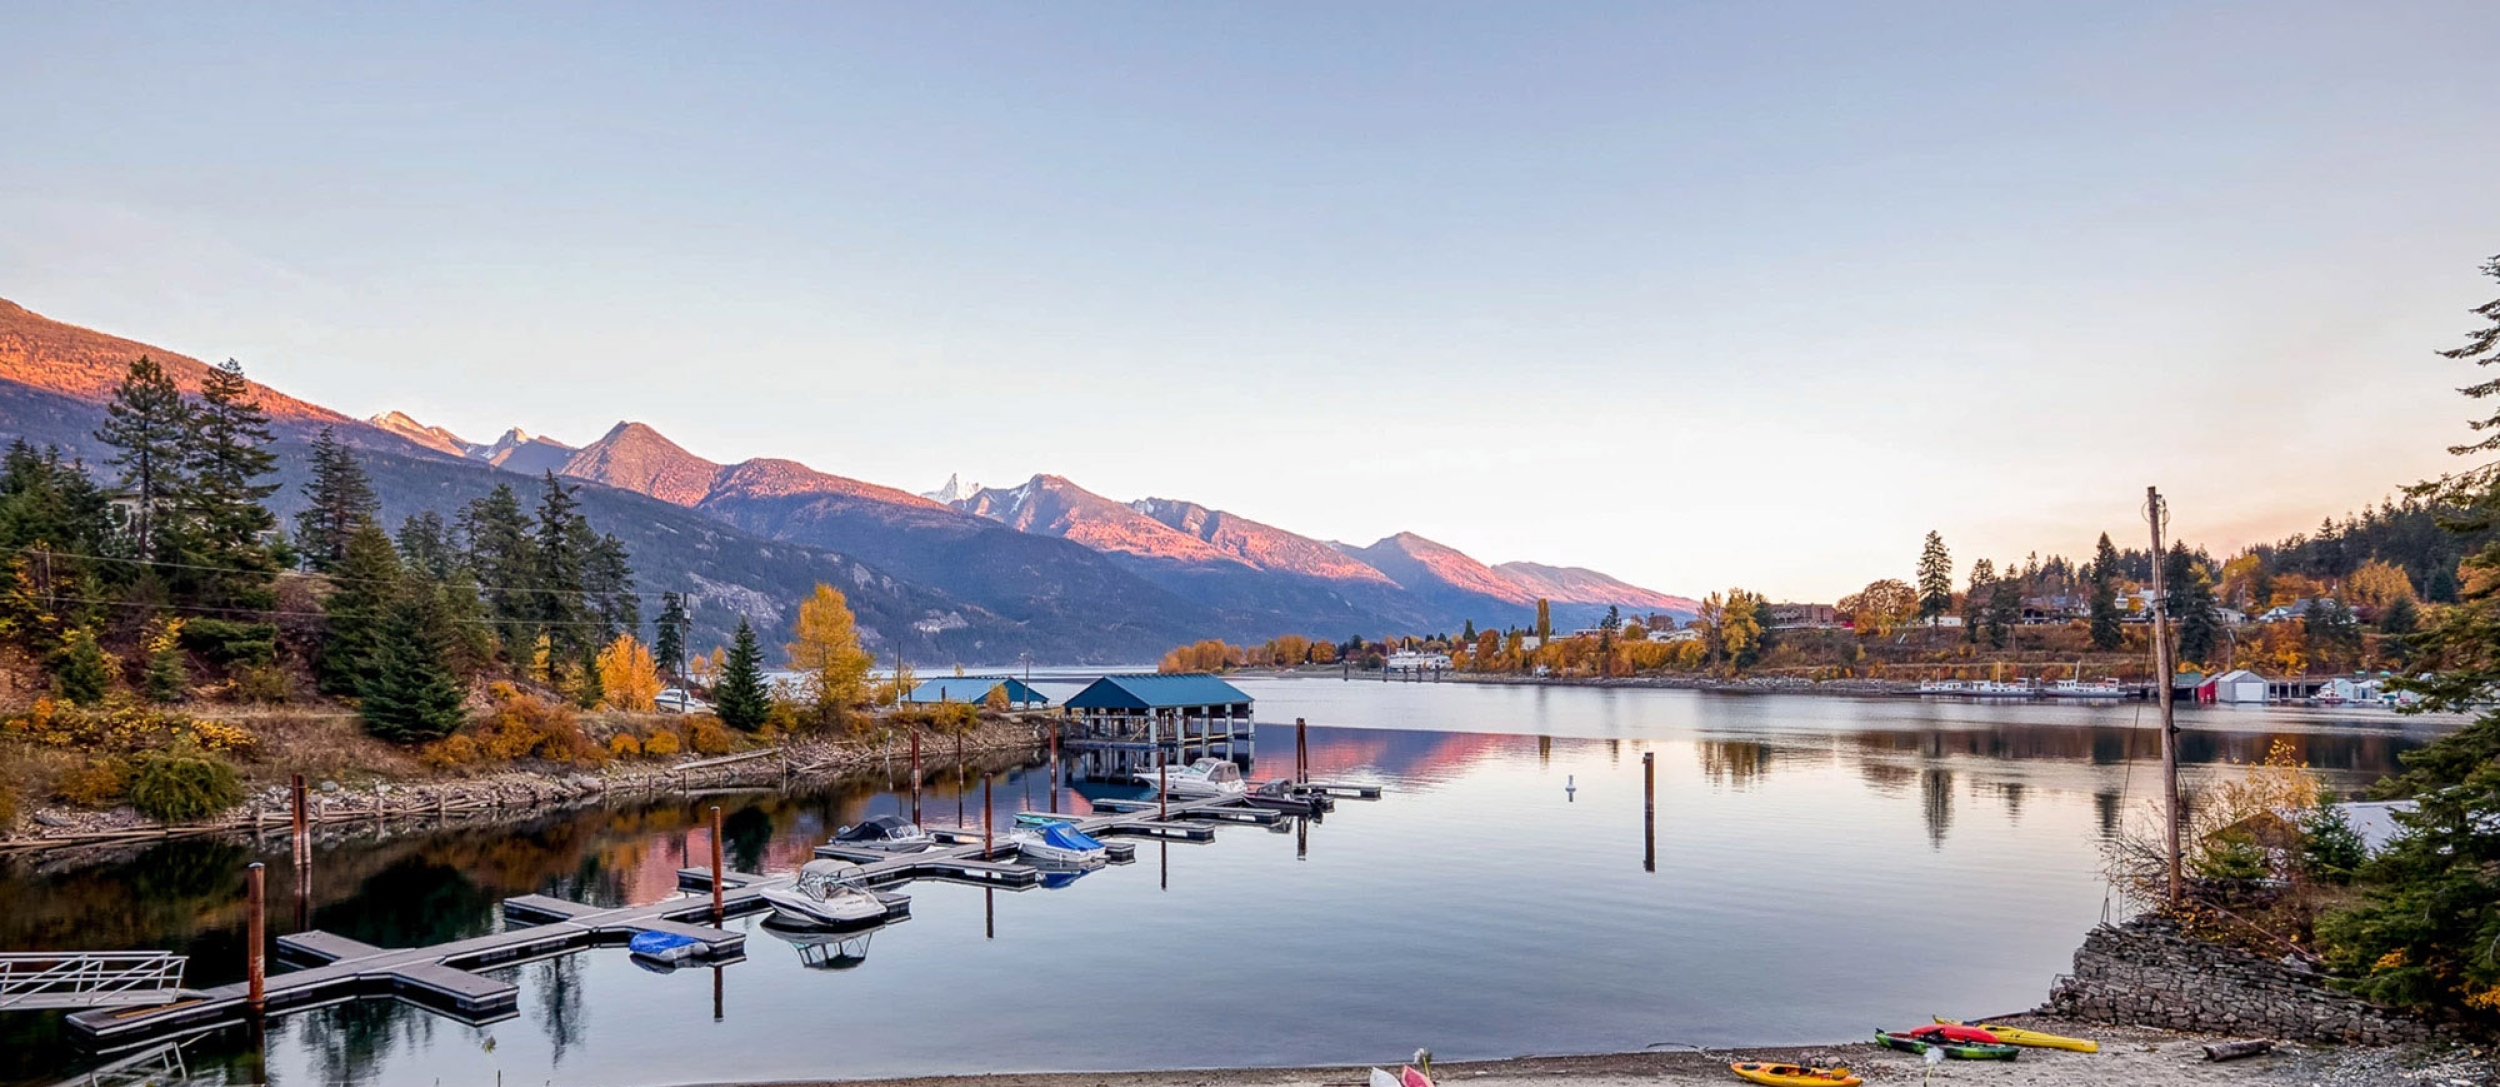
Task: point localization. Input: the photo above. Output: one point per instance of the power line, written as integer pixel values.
(273, 613)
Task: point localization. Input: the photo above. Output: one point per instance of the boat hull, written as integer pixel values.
(800, 911)
(2030, 1039)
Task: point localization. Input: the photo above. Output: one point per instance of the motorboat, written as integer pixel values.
(1058, 844)
(1204, 779)
(2075, 688)
(1036, 820)
(821, 950)
(888, 833)
(1989, 688)
(827, 894)
(1942, 686)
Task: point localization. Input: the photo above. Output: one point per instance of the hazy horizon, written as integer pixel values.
(1698, 297)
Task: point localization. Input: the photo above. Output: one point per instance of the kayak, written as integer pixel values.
(1790, 1075)
(1954, 1032)
(2031, 1038)
(1969, 1051)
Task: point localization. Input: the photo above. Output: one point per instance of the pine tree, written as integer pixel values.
(608, 580)
(1469, 632)
(168, 676)
(1983, 575)
(52, 516)
(740, 698)
(2200, 620)
(505, 559)
(1935, 579)
(2396, 626)
(669, 646)
(593, 688)
(425, 545)
(562, 546)
(148, 424)
(367, 582)
(338, 500)
(408, 694)
(81, 673)
(228, 529)
(2005, 608)
(2333, 633)
(2107, 633)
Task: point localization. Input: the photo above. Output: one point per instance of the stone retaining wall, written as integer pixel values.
(2144, 973)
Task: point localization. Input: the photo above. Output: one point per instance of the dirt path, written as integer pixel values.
(2134, 1057)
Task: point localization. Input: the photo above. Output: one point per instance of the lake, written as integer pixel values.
(1823, 866)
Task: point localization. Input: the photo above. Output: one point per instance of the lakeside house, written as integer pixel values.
(1408, 660)
(2240, 686)
(975, 690)
(1803, 617)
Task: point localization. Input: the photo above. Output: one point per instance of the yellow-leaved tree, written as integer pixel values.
(628, 680)
(824, 650)
(2379, 583)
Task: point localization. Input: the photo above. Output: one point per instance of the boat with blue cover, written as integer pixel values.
(1058, 843)
(665, 947)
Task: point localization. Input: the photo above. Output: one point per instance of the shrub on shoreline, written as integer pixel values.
(184, 784)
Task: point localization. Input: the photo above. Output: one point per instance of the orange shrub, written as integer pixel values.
(97, 784)
(624, 745)
(661, 744)
(708, 736)
(450, 751)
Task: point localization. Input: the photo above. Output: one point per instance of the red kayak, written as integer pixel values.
(1948, 1032)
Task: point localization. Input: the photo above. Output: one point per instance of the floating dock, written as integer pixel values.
(446, 978)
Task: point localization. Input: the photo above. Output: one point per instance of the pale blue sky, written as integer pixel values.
(1735, 294)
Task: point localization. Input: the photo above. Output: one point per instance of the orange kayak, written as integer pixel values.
(1793, 1075)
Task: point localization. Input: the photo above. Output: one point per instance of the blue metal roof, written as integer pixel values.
(1156, 692)
(974, 689)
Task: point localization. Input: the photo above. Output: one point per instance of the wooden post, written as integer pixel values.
(1163, 786)
(2156, 512)
(256, 932)
(915, 775)
(988, 816)
(1649, 811)
(1055, 728)
(717, 914)
(1301, 752)
(302, 820)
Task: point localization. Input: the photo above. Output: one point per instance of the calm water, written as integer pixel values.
(1823, 866)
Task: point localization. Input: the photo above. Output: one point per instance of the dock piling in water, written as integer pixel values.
(256, 932)
(717, 914)
(1649, 811)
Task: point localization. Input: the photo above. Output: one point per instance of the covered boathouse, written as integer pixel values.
(976, 690)
(1131, 719)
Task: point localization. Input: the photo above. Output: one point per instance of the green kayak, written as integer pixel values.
(1969, 1051)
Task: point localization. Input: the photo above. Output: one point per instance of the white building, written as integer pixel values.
(2240, 686)
(1408, 660)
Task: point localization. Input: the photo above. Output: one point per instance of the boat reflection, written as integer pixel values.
(822, 950)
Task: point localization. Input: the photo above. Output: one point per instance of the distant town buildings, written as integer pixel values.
(1803, 617)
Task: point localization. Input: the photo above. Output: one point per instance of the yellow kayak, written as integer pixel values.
(2031, 1038)
(1790, 1075)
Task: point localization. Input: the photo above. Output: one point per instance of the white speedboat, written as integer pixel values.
(1989, 688)
(1204, 779)
(828, 894)
(1941, 686)
(890, 833)
(1058, 844)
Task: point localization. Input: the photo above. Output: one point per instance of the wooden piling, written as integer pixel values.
(989, 815)
(915, 775)
(1649, 811)
(1163, 786)
(1301, 752)
(302, 821)
(717, 876)
(256, 932)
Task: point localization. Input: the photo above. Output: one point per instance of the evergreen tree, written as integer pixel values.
(81, 672)
(2107, 633)
(504, 557)
(228, 530)
(338, 500)
(739, 698)
(367, 583)
(148, 424)
(562, 549)
(669, 645)
(51, 517)
(2396, 626)
(1975, 600)
(2200, 620)
(2334, 635)
(1469, 632)
(168, 675)
(592, 688)
(2005, 608)
(608, 581)
(425, 545)
(2177, 572)
(408, 693)
(1935, 579)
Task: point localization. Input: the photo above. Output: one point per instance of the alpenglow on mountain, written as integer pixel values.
(964, 574)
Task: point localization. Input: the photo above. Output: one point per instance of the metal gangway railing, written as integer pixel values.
(31, 980)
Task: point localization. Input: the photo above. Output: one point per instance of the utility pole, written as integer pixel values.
(2157, 514)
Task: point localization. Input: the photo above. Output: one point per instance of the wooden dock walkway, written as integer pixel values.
(445, 977)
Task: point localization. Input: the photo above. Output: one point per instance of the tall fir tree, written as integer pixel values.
(608, 583)
(1935, 579)
(338, 500)
(52, 515)
(562, 548)
(2005, 609)
(504, 556)
(740, 698)
(426, 546)
(228, 531)
(1983, 576)
(669, 642)
(367, 582)
(148, 424)
(2107, 631)
(2199, 618)
(408, 693)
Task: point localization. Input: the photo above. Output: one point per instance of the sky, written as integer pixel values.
(1702, 295)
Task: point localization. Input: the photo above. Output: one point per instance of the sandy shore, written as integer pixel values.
(2129, 1055)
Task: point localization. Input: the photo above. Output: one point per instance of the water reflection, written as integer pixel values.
(1984, 818)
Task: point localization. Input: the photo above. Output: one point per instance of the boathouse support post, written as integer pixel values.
(988, 815)
(301, 820)
(256, 932)
(1301, 752)
(717, 914)
(915, 774)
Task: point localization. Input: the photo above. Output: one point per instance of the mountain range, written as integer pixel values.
(965, 573)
